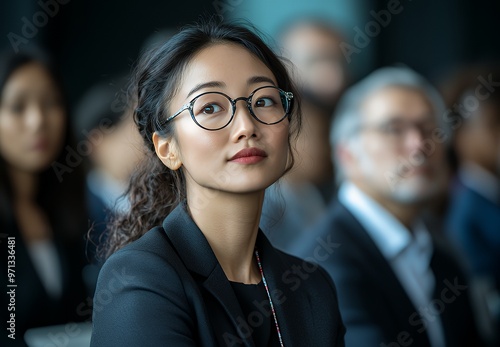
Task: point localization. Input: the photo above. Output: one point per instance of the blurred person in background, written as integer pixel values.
(103, 117)
(43, 212)
(312, 46)
(398, 284)
(319, 71)
(473, 220)
(106, 113)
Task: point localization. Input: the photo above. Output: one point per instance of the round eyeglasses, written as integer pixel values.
(215, 110)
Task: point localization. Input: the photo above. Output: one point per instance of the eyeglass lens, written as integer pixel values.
(214, 110)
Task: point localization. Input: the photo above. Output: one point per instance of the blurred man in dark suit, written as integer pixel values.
(397, 285)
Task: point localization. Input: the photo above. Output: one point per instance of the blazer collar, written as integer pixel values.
(190, 243)
(291, 306)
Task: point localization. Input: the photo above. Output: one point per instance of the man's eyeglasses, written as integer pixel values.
(215, 110)
(400, 129)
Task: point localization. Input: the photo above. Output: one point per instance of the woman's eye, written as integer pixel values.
(211, 109)
(264, 102)
(393, 129)
(17, 108)
(51, 102)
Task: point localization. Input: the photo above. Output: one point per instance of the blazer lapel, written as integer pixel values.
(198, 257)
(218, 285)
(291, 306)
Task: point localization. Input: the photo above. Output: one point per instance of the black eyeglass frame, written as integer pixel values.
(189, 106)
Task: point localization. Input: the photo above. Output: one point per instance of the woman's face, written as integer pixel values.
(208, 157)
(32, 119)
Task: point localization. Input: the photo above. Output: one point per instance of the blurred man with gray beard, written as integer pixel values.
(397, 285)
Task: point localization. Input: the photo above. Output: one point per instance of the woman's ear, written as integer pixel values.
(167, 150)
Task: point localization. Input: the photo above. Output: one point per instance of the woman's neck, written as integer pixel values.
(230, 222)
(24, 185)
(31, 220)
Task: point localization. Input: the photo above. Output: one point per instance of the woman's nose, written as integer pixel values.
(34, 118)
(244, 123)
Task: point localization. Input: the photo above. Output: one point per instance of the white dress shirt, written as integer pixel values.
(408, 255)
(48, 266)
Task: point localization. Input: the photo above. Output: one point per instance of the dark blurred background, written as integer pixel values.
(93, 40)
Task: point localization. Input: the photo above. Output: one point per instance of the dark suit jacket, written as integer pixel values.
(167, 289)
(34, 307)
(374, 306)
(474, 224)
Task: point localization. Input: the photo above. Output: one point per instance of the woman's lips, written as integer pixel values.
(249, 156)
(40, 145)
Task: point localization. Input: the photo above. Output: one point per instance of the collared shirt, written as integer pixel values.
(108, 190)
(47, 264)
(408, 255)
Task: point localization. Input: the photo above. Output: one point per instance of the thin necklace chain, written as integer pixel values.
(269, 297)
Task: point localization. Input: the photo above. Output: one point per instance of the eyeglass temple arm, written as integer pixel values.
(183, 108)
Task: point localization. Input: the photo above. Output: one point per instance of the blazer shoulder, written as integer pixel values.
(140, 287)
(147, 261)
(154, 241)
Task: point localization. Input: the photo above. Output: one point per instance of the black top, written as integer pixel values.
(257, 313)
(168, 289)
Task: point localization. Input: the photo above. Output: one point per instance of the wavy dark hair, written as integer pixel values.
(62, 201)
(154, 189)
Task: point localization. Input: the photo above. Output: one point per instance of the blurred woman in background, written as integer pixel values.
(42, 211)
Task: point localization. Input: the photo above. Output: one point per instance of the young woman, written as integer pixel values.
(42, 220)
(217, 110)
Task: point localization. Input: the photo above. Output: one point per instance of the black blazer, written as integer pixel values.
(168, 289)
(375, 308)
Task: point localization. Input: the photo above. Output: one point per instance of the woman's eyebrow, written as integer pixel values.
(260, 79)
(219, 84)
(211, 84)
